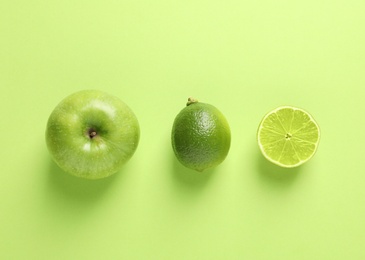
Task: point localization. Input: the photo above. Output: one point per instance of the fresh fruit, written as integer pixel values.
(288, 136)
(200, 136)
(91, 134)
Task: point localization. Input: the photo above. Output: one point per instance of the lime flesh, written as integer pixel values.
(288, 136)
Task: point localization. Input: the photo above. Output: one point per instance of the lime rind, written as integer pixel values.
(288, 136)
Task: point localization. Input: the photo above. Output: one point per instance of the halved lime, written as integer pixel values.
(288, 136)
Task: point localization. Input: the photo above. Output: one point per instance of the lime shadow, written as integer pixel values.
(188, 177)
(274, 174)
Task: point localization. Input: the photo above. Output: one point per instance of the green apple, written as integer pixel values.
(91, 134)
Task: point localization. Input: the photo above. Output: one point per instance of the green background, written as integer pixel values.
(244, 57)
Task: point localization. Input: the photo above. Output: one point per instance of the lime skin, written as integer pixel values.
(200, 136)
(91, 134)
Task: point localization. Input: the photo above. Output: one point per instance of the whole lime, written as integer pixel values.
(200, 136)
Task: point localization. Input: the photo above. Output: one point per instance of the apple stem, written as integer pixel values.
(92, 133)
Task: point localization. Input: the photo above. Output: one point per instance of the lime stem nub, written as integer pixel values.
(191, 101)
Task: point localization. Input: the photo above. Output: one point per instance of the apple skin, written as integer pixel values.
(91, 134)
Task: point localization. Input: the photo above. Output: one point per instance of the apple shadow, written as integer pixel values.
(75, 188)
(275, 175)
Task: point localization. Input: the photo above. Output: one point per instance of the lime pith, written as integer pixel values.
(288, 136)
